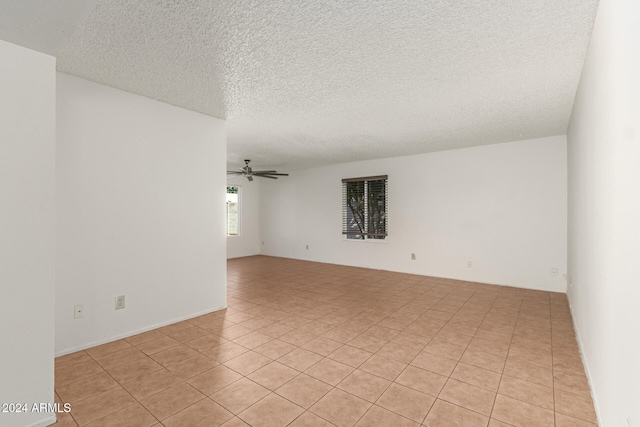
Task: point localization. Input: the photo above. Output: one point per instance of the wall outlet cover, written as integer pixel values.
(78, 311)
(120, 302)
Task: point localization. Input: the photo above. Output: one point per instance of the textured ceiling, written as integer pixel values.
(42, 25)
(306, 83)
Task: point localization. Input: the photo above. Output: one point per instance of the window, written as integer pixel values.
(233, 211)
(364, 208)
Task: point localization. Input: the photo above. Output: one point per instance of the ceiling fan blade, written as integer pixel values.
(234, 173)
(266, 176)
(273, 173)
(269, 172)
(249, 177)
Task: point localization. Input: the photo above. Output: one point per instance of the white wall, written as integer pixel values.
(604, 213)
(140, 212)
(27, 236)
(248, 242)
(502, 207)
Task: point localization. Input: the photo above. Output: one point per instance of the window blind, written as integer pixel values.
(364, 207)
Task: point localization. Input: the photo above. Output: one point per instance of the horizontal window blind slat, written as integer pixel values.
(355, 233)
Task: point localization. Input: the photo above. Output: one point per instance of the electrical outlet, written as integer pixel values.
(469, 264)
(554, 271)
(120, 302)
(78, 311)
(413, 256)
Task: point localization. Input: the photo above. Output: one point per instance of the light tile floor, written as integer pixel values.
(310, 344)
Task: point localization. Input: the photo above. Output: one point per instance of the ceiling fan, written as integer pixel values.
(250, 173)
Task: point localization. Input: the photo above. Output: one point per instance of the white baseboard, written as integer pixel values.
(51, 419)
(135, 332)
(585, 364)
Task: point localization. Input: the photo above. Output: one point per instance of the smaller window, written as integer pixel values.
(364, 208)
(233, 210)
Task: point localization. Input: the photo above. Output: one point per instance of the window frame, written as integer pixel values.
(366, 234)
(239, 211)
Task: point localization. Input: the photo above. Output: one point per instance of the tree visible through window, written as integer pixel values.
(364, 207)
(233, 211)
